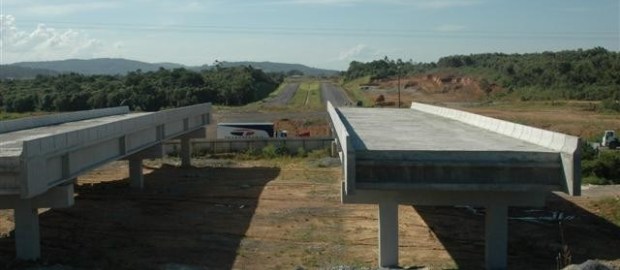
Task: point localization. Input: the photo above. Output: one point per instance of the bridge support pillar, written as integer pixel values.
(27, 239)
(136, 178)
(388, 234)
(186, 151)
(496, 236)
(26, 216)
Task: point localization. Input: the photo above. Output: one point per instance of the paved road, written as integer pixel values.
(334, 94)
(264, 116)
(285, 95)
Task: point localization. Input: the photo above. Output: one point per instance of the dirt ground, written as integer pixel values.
(282, 214)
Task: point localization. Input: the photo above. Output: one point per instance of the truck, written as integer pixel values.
(610, 140)
(262, 130)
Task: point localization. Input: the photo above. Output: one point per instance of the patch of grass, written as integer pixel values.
(354, 91)
(13, 115)
(577, 118)
(608, 208)
(318, 154)
(307, 97)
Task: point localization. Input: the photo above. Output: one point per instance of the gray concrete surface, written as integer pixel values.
(53, 119)
(38, 166)
(334, 94)
(428, 155)
(285, 96)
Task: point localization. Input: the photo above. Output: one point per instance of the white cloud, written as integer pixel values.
(46, 43)
(360, 52)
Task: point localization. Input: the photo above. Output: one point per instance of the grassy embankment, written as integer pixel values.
(307, 97)
(354, 91)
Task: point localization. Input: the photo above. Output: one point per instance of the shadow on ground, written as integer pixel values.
(183, 219)
(534, 234)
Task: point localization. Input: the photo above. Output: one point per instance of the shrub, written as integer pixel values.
(250, 153)
(269, 151)
(317, 154)
(301, 152)
(282, 150)
(593, 180)
(602, 170)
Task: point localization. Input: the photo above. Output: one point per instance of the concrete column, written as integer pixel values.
(136, 178)
(186, 152)
(496, 236)
(388, 234)
(27, 239)
(334, 149)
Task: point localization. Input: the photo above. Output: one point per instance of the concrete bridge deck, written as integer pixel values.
(41, 157)
(430, 155)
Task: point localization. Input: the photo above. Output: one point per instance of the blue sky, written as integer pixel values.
(319, 33)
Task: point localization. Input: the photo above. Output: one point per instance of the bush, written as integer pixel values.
(282, 150)
(593, 180)
(269, 151)
(250, 153)
(587, 151)
(610, 105)
(317, 154)
(301, 152)
(605, 169)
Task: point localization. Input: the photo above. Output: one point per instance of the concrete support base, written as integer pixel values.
(27, 239)
(388, 234)
(136, 178)
(186, 152)
(496, 236)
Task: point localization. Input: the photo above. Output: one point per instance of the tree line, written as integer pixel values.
(145, 91)
(592, 74)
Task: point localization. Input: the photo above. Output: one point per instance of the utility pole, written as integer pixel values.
(398, 71)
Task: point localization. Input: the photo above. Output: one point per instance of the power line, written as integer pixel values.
(318, 31)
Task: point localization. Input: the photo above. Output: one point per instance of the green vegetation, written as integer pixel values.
(273, 151)
(600, 168)
(592, 74)
(385, 68)
(354, 90)
(308, 96)
(11, 116)
(148, 91)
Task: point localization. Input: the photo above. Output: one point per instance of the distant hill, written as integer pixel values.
(17, 72)
(101, 66)
(114, 66)
(281, 67)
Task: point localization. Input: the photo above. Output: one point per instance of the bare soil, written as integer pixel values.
(281, 214)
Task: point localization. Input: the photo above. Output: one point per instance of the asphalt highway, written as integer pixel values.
(285, 95)
(334, 94)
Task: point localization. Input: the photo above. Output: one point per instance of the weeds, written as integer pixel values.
(564, 257)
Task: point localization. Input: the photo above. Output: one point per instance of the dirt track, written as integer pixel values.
(278, 215)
